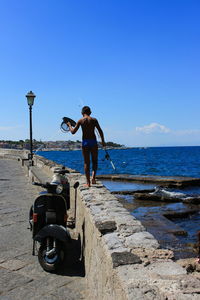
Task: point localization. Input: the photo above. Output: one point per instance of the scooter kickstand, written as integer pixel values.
(33, 252)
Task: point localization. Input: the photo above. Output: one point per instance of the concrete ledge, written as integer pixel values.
(13, 154)
(38, 174)
(168, 181)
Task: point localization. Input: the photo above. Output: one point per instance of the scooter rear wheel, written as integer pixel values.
(53, 262)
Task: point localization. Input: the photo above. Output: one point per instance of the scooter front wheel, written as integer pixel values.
(50, 260)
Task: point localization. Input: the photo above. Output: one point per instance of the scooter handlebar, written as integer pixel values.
(44, 185)
(62, 172)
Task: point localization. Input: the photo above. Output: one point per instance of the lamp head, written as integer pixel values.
(30, 98)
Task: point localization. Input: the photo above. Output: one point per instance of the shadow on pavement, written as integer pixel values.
(74, 262)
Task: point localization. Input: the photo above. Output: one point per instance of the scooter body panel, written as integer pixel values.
(49, 209)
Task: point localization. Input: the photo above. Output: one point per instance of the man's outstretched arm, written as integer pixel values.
(73, 130)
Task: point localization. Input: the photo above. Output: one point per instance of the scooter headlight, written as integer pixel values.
(59, 189)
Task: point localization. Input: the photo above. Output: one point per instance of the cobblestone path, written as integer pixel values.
(21, 276)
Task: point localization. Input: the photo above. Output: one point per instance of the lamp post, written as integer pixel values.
(30, 99)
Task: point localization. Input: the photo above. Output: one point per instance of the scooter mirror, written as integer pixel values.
(76, 185)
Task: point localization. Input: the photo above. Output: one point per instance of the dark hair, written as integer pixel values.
(86, 110)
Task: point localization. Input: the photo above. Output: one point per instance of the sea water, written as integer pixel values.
(160, 161)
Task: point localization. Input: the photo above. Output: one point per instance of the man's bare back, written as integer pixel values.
(88, 125)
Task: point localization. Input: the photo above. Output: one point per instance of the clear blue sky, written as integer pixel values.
(135, 63)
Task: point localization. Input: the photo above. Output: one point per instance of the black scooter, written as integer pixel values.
(48, 221)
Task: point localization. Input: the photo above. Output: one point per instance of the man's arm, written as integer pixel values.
(74, 130)
(100, 133)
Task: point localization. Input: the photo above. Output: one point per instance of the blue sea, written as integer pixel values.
(161, 161)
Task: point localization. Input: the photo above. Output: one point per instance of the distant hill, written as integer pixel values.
(39, 145)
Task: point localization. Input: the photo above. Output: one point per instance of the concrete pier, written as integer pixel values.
(21, 276)
(122, 260)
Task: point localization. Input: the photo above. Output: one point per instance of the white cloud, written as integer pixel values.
(152, 128)
(153, 134)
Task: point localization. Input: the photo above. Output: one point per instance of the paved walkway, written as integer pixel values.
(21, 276)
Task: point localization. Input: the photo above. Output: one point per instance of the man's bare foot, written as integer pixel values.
(87, 185)
(93, 181)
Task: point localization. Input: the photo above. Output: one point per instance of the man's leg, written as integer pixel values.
(94, 152)
(86, 156)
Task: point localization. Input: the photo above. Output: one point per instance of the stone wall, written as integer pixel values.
(122, 260)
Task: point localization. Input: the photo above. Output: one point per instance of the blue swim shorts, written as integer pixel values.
(89, 143)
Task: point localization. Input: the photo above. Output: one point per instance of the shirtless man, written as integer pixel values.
(89, 142)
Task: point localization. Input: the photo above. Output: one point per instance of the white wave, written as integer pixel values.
(163, 192)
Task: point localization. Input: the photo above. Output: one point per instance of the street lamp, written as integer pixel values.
(30, 99)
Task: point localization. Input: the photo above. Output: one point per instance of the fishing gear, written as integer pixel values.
(107, 156)
(64, 127)
(39, 148)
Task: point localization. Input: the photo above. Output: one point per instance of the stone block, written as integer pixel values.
(124, 258)
(106, 226)
(113, 240)
(127, 230)
(167, 268)
(141, 240)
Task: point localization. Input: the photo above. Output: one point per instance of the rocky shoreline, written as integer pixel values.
(172, 202)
